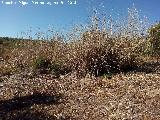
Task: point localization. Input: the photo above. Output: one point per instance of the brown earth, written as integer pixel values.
(127, 96)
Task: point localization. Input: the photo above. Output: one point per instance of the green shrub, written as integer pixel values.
(154, 36)
(42, 65)
(56, 69)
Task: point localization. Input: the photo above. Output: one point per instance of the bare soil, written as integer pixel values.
(126, 96)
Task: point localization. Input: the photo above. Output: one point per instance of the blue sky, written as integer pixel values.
(16, 18)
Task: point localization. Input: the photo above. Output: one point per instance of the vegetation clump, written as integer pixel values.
(42, 65)
(154, 38)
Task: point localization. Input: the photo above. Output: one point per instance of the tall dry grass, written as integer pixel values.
(96, 49)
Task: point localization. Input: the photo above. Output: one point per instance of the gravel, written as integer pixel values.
(132, 96)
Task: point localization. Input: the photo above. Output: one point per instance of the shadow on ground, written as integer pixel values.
(149, 67)
(19, 108)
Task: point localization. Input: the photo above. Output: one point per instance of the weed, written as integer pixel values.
(42, 65)
(107, 76)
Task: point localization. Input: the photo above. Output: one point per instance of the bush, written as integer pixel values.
(42, 65)
(98, 55)
(154, 36)
(102, 60)
(56, 68)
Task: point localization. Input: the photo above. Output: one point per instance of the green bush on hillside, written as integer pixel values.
(154, 36)
(42, 65)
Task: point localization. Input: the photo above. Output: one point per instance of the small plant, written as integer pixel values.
(56, 69)
(107, 76)
(42, 65)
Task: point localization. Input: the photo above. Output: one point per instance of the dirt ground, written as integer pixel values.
(126, 96)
